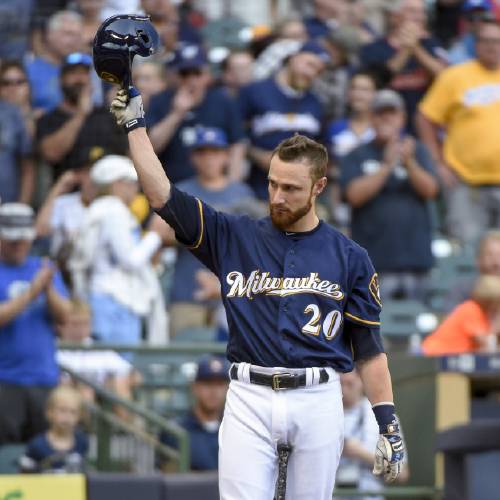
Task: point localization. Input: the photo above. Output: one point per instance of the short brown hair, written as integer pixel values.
(301, 149)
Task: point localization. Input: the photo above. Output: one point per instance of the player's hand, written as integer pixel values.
(389, 454)
(127, 109)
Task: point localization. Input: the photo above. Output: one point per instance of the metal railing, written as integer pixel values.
(108, 424)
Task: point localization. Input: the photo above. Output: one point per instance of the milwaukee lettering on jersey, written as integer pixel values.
(261, 283)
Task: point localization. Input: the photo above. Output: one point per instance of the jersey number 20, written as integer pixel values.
(331, 323)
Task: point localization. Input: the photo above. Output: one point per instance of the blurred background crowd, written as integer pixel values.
(405, 94)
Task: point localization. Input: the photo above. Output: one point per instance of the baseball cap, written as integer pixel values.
(85, 157)
(315, 48)
(17, 222)
(470, 5)
(387, 99)
(113, 168)
(188, 57)
(346, 38)
(76, 59)
(209, 137)
(212, 368)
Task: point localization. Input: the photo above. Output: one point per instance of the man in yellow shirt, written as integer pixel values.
(465, 102)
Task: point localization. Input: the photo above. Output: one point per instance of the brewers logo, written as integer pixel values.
(375, 289)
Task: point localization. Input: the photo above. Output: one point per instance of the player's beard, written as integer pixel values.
(284, 218)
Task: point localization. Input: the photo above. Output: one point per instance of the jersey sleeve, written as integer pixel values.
(362, 310)
(201, 229)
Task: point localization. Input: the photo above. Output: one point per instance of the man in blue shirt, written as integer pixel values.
(32, 296)
(203, 420)
(388, 183)
(279, 106)
(407, 57)
(174, 114)
(211, 184)
(63, 36)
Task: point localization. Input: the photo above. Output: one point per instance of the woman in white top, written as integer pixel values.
(111, 263)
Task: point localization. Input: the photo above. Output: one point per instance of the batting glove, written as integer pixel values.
(128, 110)
(389, 454)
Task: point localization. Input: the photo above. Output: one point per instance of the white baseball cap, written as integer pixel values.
(17, 222)
(112, 168)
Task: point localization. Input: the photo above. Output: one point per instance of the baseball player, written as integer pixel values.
(302, 304)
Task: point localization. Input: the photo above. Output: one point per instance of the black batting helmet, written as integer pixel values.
(117, 41)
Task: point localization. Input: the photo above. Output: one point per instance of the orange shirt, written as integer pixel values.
(456, 333)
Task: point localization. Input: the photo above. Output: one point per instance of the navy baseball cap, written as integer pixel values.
(470, 5)
(76, 59)
(209, 137)
(212, 368)
(188, 57)
(315, 48)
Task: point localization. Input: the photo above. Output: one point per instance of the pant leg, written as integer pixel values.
(13, 413)
(466, 216)
(247, 453)
(316, 434)
(36, 406)
(113, 323)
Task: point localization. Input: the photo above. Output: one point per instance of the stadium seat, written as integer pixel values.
(9, 457)
(402, 319)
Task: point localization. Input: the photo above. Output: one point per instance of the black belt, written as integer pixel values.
(279, 381)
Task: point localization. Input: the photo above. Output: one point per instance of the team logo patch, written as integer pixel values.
(375, 289)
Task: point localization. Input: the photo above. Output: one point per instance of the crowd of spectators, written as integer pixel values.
(405, 94)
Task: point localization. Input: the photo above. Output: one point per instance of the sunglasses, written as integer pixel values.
(184, 73)
(13, 83)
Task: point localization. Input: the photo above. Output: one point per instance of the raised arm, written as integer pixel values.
(128, 111)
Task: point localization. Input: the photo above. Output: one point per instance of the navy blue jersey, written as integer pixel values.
(204, 443)
(274, 113)
(292, 300)
(40, 455)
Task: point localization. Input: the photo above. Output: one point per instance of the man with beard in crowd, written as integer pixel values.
(76, 124)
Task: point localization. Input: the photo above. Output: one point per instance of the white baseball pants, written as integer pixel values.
(257, 418)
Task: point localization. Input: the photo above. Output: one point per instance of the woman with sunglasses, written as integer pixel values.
(15, 89)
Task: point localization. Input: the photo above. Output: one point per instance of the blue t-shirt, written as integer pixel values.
(412, 81)
(341, 138)
(27, 343)
(216, 110)
(15, 143)
(395, 225)
(43, 457)
(227, 199)
(44, 81)
(292, 300)
(203, 443)
(273, 113)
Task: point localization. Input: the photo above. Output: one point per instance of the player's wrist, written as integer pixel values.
(134, 123)
(385, 414)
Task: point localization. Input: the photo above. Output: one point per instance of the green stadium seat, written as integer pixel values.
(9, 457)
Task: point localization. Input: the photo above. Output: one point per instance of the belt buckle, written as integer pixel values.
(277, 380)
